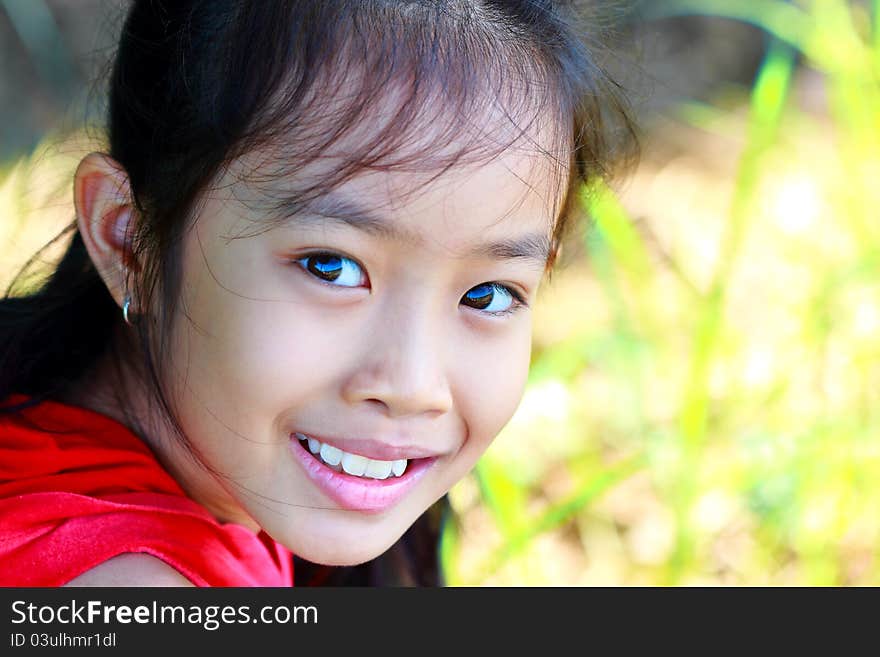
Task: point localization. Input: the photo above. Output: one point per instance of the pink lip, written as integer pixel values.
(359, 493)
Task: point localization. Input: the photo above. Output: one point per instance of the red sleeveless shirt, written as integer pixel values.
(79, 488)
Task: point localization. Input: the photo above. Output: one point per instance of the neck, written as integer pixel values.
(105, 389)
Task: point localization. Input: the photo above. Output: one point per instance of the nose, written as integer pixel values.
(402, 367)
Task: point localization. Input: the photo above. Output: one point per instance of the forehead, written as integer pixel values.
(515, 191)
(503, 208)
(473, 161)
(457, 179)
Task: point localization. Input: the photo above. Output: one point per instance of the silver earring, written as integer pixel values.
(125, 306)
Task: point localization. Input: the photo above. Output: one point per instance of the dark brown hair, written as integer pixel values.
(196, 85)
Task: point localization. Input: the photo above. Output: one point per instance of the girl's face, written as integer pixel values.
(387, 329)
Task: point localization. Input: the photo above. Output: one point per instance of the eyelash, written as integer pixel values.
(302, 264)
(518, 300)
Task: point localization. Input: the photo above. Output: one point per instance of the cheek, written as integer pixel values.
(490, 384)
(260, 357)
(242, 357)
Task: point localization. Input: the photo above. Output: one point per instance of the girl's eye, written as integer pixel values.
(492, 298)
(335, 269)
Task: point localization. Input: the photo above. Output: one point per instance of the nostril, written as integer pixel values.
(407, 406)
(395, 388)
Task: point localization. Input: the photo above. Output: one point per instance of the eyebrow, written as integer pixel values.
(531, 246)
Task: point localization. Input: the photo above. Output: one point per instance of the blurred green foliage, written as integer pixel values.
(710, 416)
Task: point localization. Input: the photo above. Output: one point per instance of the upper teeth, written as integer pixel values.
(354, 464)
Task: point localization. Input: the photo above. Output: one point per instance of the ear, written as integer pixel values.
(104, 212)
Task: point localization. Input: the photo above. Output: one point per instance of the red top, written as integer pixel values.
(70, 501)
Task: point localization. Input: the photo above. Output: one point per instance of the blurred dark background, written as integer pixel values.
(51, 55)
(54, 54)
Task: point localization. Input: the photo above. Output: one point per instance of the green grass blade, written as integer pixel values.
(561, 513)
(785, 21)
(767, 106)
(503, 496)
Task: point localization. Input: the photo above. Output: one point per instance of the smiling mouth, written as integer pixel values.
(353, 464)
(355, 482)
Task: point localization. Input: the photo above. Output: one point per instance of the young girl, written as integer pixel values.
(294, 310)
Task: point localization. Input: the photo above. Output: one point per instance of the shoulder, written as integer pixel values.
(132, 569)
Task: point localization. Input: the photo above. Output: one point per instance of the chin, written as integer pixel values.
(343, 553)
(341, 544)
